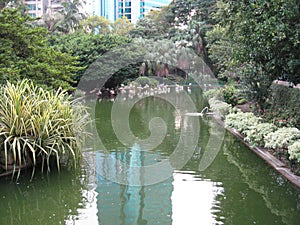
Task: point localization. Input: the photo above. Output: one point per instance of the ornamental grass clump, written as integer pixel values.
(242, 122)
(282, 138)
(37, 126)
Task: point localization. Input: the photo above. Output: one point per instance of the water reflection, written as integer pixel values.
(237, 188)
(184, 195)
(123, 204)
(194, 200)
(54, 198)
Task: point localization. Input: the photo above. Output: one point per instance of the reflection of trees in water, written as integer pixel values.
(164, 106)
(52, 198)
(278, 195)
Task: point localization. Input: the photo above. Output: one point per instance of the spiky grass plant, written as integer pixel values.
(37, 125)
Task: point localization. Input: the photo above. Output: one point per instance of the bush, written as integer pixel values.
(213, 93)
(242, 122)
(146, 81)
(284, 106)
(37, 125)
(232, 95)
(256, 134)
(219, 107)
(282, 138)
(294, 151)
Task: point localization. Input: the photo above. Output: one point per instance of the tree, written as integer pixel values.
(184, 22)
(155, 25)
(265, 42)
(87, 48)
(24, 53)
(95, 25)
(122, 26)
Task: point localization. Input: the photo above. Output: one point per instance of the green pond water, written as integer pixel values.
(220, 182)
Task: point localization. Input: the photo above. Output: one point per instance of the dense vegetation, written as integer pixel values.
(247, 44)
(24, 53)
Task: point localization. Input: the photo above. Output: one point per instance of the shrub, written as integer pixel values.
(232, 95)
(219, 107)
(256, 134)
(284, 106)
(282, 138)
(242, 121)
(146, 81)
(213, 93)
(37, 125)
(294, 151)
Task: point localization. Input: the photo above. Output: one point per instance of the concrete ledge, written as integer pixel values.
(265, 155)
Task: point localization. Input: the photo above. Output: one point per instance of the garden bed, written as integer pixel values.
(279, 165)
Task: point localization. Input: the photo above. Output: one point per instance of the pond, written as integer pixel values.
(230, 185)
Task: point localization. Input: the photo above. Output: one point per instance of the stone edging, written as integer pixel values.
(265, 155)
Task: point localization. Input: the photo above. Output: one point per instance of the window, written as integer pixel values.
(32, 6)
(33, 15)
(120, 4)
(121, 10)
(127, 10)
(127, 3)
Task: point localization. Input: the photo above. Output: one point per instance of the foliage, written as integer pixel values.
(282, 138)
(24, 53)
(242, 122)
(37, 125)
(87, 48)
(143, 81)
(122, 26)
(219, 107)
(294, 151)
(71, 16)
(214, 93)
(284, 106)
(232, 95)
(262, 42)
(95, 25)
(183, 22)
(220, 50)
(101, 25)
(114, 67)
(154, 25)
(256, 134)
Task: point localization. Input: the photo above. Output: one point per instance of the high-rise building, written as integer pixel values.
(132, 9)
(36, 8)
(136, 9)
(106, 8)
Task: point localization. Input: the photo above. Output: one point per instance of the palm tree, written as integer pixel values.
(71, 16)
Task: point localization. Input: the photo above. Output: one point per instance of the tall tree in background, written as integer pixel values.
(71, 16)
(183, 22)
(122, 26)
(95, 25)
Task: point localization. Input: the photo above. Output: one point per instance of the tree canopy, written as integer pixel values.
(258, 41)
(24, 53)
(87, 48)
